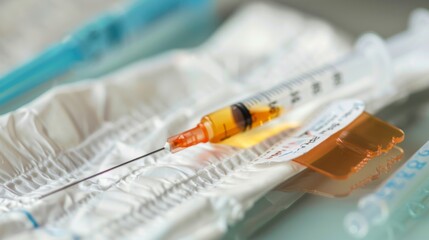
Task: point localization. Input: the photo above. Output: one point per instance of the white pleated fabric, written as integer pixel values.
(79, 129)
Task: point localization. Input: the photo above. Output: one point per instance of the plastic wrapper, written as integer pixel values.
(74, 130)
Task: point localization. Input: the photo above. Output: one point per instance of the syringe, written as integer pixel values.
(403, 190)
(370, 65)
(364, 65)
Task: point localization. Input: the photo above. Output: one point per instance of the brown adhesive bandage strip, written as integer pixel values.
(348, 150)
(312, 182)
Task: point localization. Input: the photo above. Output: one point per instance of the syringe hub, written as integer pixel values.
(187, 138)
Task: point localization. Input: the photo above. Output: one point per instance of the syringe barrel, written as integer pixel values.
(359, 66)
(375, 208)
(368, 65)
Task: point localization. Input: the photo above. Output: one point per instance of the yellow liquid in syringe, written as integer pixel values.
(224, 123)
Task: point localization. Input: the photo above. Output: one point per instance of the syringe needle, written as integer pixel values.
(99, 173)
